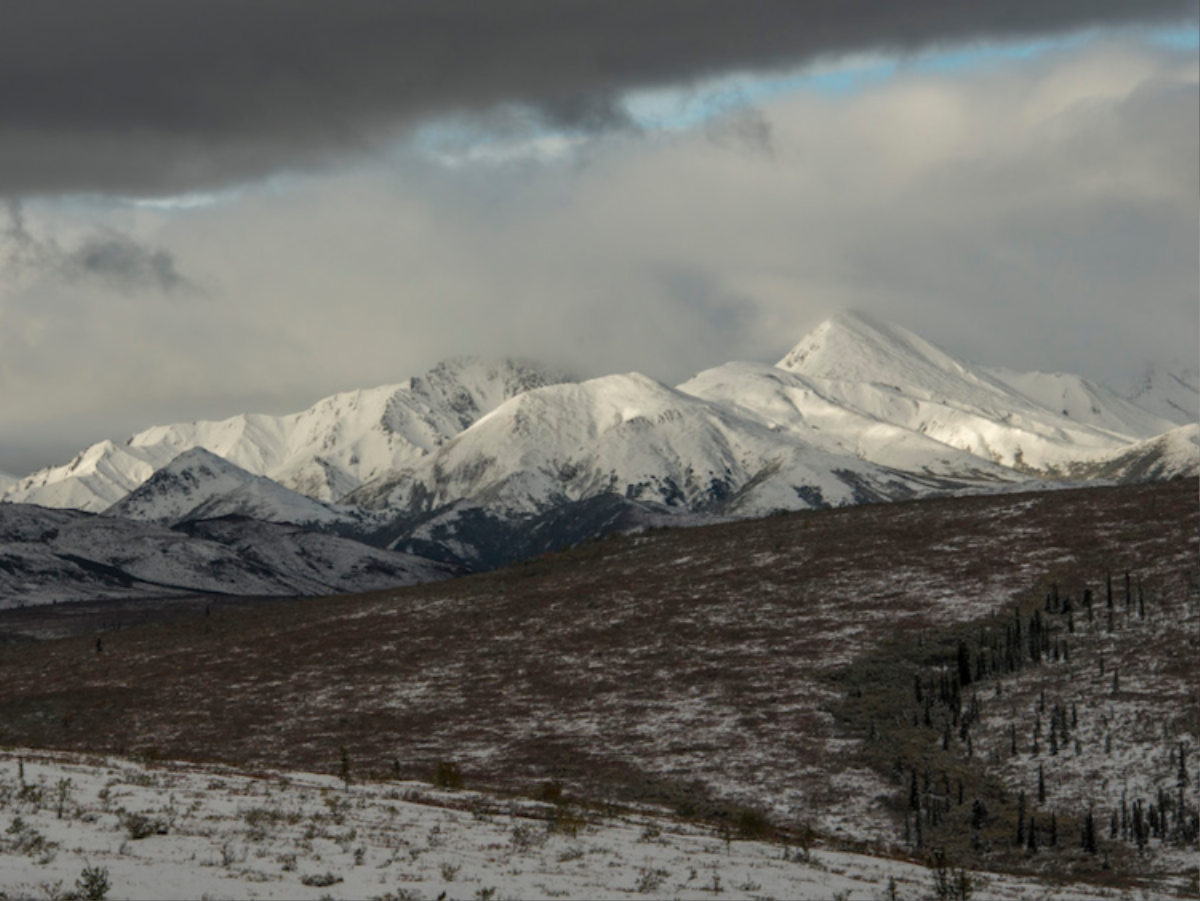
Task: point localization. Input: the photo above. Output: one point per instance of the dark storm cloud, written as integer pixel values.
(105, 256)
(151, 97)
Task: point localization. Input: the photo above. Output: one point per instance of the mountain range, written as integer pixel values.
(323, 452)
(478, 464)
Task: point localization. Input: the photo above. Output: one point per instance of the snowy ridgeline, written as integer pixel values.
(84, 824)
(858, 408)
(476, 465)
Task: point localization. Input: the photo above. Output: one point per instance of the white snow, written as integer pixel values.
(631, 435)
(786, 401)
(858, 410)
(889, 373)
(200, 485)
(323, 452)
(213, 832)
(1171, 455)
(1172, 392)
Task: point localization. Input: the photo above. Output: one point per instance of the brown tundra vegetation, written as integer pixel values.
(1006, 680)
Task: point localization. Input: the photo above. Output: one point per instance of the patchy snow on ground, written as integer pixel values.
(168, 830)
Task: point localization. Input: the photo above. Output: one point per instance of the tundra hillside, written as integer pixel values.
(950, 674)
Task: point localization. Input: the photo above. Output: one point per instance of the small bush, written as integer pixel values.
(566, 822)
(526, 838)
(752, 824)
(320, 880)
(550, 792)
(650, 833)
(93, 883)
(948, 884)
(448, 775)
(139, 826)
(650, 880)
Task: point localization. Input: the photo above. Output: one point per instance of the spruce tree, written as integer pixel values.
(1088, 838)
(979, 814)
(1020, 842)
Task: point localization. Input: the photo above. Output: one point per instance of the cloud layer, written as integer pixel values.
(1043, 215)
(144, 98)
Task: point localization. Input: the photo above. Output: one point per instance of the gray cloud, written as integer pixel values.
(105, 256)
(141, 97)
(1040, 214)
(122, 263)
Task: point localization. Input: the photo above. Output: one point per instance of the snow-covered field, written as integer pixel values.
(169, 830)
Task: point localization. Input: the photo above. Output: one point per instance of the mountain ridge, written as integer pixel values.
(463, 461)
(324, 451)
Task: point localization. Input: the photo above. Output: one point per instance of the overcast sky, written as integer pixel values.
(212, 208)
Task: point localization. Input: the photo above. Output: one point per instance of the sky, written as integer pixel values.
(214, 208)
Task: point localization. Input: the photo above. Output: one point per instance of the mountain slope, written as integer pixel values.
(323, 452)
(200, 485)
(636, 438)
(1083, 401)
(1172, 393)
(1172, 455)
(65, 555)
(889, 373)
(788, 402)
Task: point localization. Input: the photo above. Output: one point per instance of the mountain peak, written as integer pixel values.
(198, 484)
(853, 346)
(201, 458)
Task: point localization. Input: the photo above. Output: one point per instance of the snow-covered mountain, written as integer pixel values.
(788, 402)
(6, 482)
(628, 448)
(1083, 401)
(1032, 422)
(630, 435)
(1170, 392)
(200, 485)
(65, 555)
(478, 464)
(323, 452)
(1172, 455)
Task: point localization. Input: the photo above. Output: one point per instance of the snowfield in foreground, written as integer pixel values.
(170, 830)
